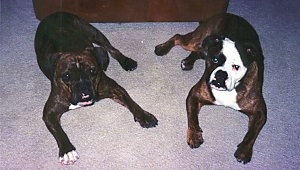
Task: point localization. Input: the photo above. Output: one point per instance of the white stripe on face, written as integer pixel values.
(72, 107)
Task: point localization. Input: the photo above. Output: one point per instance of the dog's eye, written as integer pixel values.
(235, 67)
(66, 77)
(215, 59)
(93, 71)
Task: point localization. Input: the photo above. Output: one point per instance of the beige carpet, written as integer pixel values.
(105, 135)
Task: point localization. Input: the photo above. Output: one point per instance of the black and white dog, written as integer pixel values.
(233, 75)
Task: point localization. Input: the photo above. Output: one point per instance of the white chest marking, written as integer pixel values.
(72, 107)
(226, 98)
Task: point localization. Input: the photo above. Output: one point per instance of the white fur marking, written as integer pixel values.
(95, 45)
(226, 98)
(69, 158)
(72, 107)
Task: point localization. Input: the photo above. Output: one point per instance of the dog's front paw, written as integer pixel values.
(194, 138)
(69, 158)
(243, 153)
(146, 120)
(129, 64)
(187, 65)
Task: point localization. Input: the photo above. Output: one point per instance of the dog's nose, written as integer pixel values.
(220, 78)
(222, 75)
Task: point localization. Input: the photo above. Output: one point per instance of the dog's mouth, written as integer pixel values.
(81, 104)
(86, 100)
(86, 103)
(218, 85)
(218, 88)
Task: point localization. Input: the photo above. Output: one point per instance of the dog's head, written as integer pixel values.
(226, 61)
(77, 73)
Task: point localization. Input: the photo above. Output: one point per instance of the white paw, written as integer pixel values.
(69, 158)
(183, 65)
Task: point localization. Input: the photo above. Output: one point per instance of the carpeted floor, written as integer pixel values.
(105, 134)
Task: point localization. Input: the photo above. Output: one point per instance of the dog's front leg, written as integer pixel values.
(188, 62)
(257, 119)
(193, 106)
(51, 116)
(110, 89)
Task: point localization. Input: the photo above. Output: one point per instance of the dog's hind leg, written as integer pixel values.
(126, 63)
(164, 48)
(102, 57)
(182, 40)
(97, 37)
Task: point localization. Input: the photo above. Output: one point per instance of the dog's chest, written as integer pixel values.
(226, 98)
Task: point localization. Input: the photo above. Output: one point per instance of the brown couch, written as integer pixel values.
(133, 10)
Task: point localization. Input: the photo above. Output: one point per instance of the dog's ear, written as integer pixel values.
(101, 56)
(248, 51)
(251, 77)
(49, 68)
(211, 41)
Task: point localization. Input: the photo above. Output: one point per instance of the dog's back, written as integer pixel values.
(60, 32)
(231, 26)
